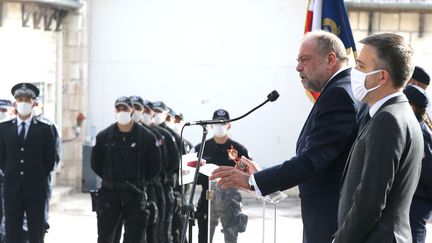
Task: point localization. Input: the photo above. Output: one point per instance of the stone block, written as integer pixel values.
(12, 11)
(363, 21)
(428, 23)
(354, 20)
(409, 22)
(389, 22)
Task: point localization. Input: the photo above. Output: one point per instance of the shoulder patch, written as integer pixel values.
(43, 120)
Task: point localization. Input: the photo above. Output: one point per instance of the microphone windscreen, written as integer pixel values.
(274, 95)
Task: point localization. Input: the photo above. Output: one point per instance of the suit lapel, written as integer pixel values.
(311, 115)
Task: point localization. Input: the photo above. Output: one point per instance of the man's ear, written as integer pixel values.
(384, 77)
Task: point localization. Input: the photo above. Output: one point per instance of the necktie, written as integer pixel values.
(365, 120)
(21, 135)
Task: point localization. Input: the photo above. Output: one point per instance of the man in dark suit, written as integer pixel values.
(323, 144)
(27, 156)
(383, 167)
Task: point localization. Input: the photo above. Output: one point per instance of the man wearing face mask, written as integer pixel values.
(123, 157)
(322, 146)
(155, 190)
(172, 164)
(383, 167)
(5, 110)
(228, 208)
(5, 106)
(27, 157)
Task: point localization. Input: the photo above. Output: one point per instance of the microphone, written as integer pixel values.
(274, 95)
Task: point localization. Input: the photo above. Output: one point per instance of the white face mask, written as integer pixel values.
(220, 130)
(3, 116)
(358, 84)
(137, 115)
(178, 127)
(146, 119)
(24, 108)
(123, 117)
(159, 118)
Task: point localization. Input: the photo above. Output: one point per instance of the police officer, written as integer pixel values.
(421, 206)
(27, 157)
(154, 187)
(5, 107)
(122, 157)
(227, 205)
(37, 112)
(153, 118)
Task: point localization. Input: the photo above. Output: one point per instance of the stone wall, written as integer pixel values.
(406, 24)
(74, 95)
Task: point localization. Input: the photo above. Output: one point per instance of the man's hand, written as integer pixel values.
(252, 165)
(230, 177)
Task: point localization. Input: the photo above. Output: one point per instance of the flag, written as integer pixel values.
(330, 16)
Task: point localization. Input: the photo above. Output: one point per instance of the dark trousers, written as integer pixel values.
(118, 207)
(420, 212)
(169, 212)
(34, 207)
(319, 215)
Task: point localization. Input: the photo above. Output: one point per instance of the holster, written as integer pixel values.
(94, 194)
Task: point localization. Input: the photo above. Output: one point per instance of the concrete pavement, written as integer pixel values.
(72, 221)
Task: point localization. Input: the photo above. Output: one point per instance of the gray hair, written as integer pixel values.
(327, 43)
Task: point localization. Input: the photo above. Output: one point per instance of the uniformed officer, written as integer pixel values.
(154, 187)
(227, 204)
(122, 157)
(421, 206)
(153, 118)
(38, 112)
(5, 111)
(27, 157)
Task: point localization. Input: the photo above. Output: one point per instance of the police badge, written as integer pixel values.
(233, 155)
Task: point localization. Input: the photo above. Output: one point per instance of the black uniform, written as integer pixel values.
(228, 209)
(169, 183)
(125, 162)
(421, 206)
(26, 162)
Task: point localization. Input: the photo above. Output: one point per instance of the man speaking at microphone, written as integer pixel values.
(323, 144)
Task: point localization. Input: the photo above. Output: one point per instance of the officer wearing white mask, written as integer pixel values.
(227, 206)
(5, 109)
(27, 156)
(123, 157)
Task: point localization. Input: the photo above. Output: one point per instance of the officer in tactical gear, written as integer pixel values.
(124, 157)
(152, 118)
(227, 204)
(155, 190)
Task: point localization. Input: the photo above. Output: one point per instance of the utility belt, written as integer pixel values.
(138, 187)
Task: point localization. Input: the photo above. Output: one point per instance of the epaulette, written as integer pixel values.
(43, 120)
(9, 120)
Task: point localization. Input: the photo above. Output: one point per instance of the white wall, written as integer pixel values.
(28, 55)
(200, 55)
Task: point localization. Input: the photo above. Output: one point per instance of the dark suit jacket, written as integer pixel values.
(381, 177)
(31, 175)
(322, 149)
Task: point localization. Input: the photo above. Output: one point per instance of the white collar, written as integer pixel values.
(375, 107)
(27, 121)
(336, 73)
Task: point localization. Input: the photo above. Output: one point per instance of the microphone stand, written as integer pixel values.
(189, 207)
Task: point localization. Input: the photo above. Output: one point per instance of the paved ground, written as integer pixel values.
(73, 221)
